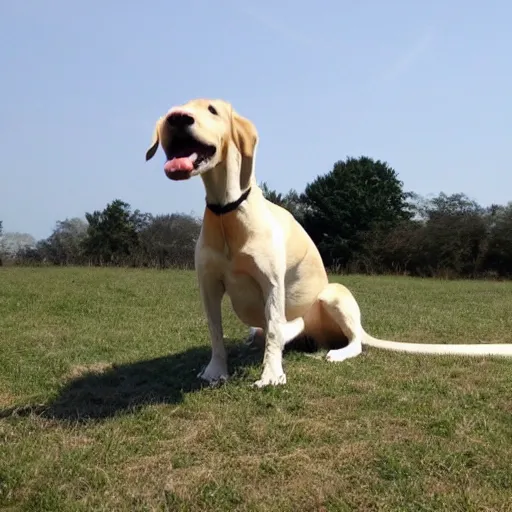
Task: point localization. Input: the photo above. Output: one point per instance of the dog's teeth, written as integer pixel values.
(193, 157)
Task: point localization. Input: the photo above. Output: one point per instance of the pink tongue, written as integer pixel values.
(179, 164)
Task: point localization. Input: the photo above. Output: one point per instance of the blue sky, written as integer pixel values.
(423, 86)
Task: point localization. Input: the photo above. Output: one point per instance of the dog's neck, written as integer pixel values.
(230, 180)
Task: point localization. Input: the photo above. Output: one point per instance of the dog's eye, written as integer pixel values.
(213, 110)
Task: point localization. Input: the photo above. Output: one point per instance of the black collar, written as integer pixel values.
(219, 209)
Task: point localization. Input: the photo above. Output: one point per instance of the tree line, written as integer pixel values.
(358, 214)
(115, 236)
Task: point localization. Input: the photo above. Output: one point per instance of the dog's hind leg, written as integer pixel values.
(341, 307)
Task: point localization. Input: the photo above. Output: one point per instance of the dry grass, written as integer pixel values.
(100, 408)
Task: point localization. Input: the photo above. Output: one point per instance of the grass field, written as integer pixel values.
(100, 408)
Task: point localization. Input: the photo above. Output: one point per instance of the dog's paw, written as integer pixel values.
(215, 373)
(335, 356)
(342, 354)
(270, 380)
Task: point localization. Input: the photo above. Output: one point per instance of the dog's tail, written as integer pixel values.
(475, 349)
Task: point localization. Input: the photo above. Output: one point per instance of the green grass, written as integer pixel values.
(100, 408)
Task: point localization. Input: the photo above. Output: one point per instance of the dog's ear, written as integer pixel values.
(245, 135)
(150, 153)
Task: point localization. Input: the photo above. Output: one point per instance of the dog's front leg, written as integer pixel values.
(273, 373)
(212, 291)
(278, 331)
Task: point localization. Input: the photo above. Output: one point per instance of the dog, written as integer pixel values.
(258, 254)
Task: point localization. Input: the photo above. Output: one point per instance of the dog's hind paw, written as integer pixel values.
(342, 354)
(256, 337)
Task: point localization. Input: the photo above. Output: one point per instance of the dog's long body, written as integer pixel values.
(258, 254)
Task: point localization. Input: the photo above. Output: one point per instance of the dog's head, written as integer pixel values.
(197, 136)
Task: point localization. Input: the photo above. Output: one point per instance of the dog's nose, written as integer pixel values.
(179, 119)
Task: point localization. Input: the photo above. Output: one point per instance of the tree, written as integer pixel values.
(454, 236)
(358, 196)
(112, 234)
(65, 246)
(499, 251)
(169, 240)
(271, 195)
(14, 242)
(450, 205)
(448, 236)
(292, 201)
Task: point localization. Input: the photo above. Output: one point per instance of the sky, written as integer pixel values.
(423, 86)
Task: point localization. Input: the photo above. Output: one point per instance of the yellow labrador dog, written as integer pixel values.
(257, 253)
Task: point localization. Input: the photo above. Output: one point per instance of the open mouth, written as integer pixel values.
(185, 155)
